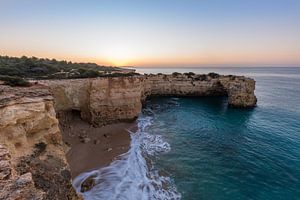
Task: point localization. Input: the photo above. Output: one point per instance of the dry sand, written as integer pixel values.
(90, 147)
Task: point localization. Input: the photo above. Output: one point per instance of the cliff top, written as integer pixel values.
(12, 95)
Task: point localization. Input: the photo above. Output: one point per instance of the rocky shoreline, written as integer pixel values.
(32, 152)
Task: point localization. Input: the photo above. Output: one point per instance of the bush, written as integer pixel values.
(14, 81)
(36, 68)
(176, 74)
(85, 73)
(189, 74)
(213, 75)
(200, 77)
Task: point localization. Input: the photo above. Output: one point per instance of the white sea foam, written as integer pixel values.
(130, 177)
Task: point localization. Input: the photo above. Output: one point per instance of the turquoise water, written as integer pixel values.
(199, 148)
(218, 152)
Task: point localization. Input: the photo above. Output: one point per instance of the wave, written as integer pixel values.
(132, 176)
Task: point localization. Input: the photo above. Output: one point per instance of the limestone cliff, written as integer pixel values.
(111, 99)
(32, 159)
(239, 89)
(100, 100)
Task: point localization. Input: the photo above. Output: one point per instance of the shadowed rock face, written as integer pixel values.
(113, 99)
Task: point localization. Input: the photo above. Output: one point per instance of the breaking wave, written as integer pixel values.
(132, 176)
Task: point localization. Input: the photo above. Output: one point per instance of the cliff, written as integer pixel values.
(239, 89)
(112, 99)
(32, 155)
(32, 158)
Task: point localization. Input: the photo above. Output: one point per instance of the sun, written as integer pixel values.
(119, 62)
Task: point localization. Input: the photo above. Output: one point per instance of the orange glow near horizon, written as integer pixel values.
(219, 59)
(154, 33)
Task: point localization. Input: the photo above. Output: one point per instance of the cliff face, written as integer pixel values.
(32, 159)
(240, 90)
(112, 99)
(115, 99)
(101, 101)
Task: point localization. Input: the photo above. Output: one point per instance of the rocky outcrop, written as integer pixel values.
(239, 89)
(108, 100)
(33, 164)
(13, 185)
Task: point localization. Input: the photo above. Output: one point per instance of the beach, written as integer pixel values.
(91, 147)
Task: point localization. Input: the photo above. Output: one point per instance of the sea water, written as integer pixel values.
(198, 148)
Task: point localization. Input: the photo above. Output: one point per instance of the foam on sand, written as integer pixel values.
(132, 176)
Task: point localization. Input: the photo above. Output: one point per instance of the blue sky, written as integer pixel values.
(154, 33)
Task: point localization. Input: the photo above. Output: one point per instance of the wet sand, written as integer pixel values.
(90, 147)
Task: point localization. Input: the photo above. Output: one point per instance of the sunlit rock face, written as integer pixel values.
(115, 99)
(111, 99)
(32, 154)
(102, 100)
(240, 90)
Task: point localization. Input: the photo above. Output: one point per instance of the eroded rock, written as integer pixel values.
(108, 100)
(32, 157)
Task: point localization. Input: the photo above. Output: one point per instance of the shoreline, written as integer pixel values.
(51, 126)
(90, 148)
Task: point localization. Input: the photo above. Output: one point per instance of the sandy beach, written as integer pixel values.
(93, 147)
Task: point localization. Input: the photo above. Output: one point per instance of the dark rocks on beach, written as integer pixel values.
(88, 184)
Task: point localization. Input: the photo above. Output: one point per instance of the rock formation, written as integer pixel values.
(32, 156)
(111, 99)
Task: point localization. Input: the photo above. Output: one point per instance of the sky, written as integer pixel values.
(154, 33)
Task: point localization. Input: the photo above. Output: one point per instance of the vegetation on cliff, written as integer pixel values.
(14, 71)
(14, 81)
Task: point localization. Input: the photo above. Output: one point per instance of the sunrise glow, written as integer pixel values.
(152, 33)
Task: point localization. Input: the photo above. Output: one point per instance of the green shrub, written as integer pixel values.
(213, 75)
(37, 68)
(14, 81)
(189, 74)
(200, 77)
(176, 74)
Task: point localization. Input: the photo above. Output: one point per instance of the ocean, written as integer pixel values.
(198, 148)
